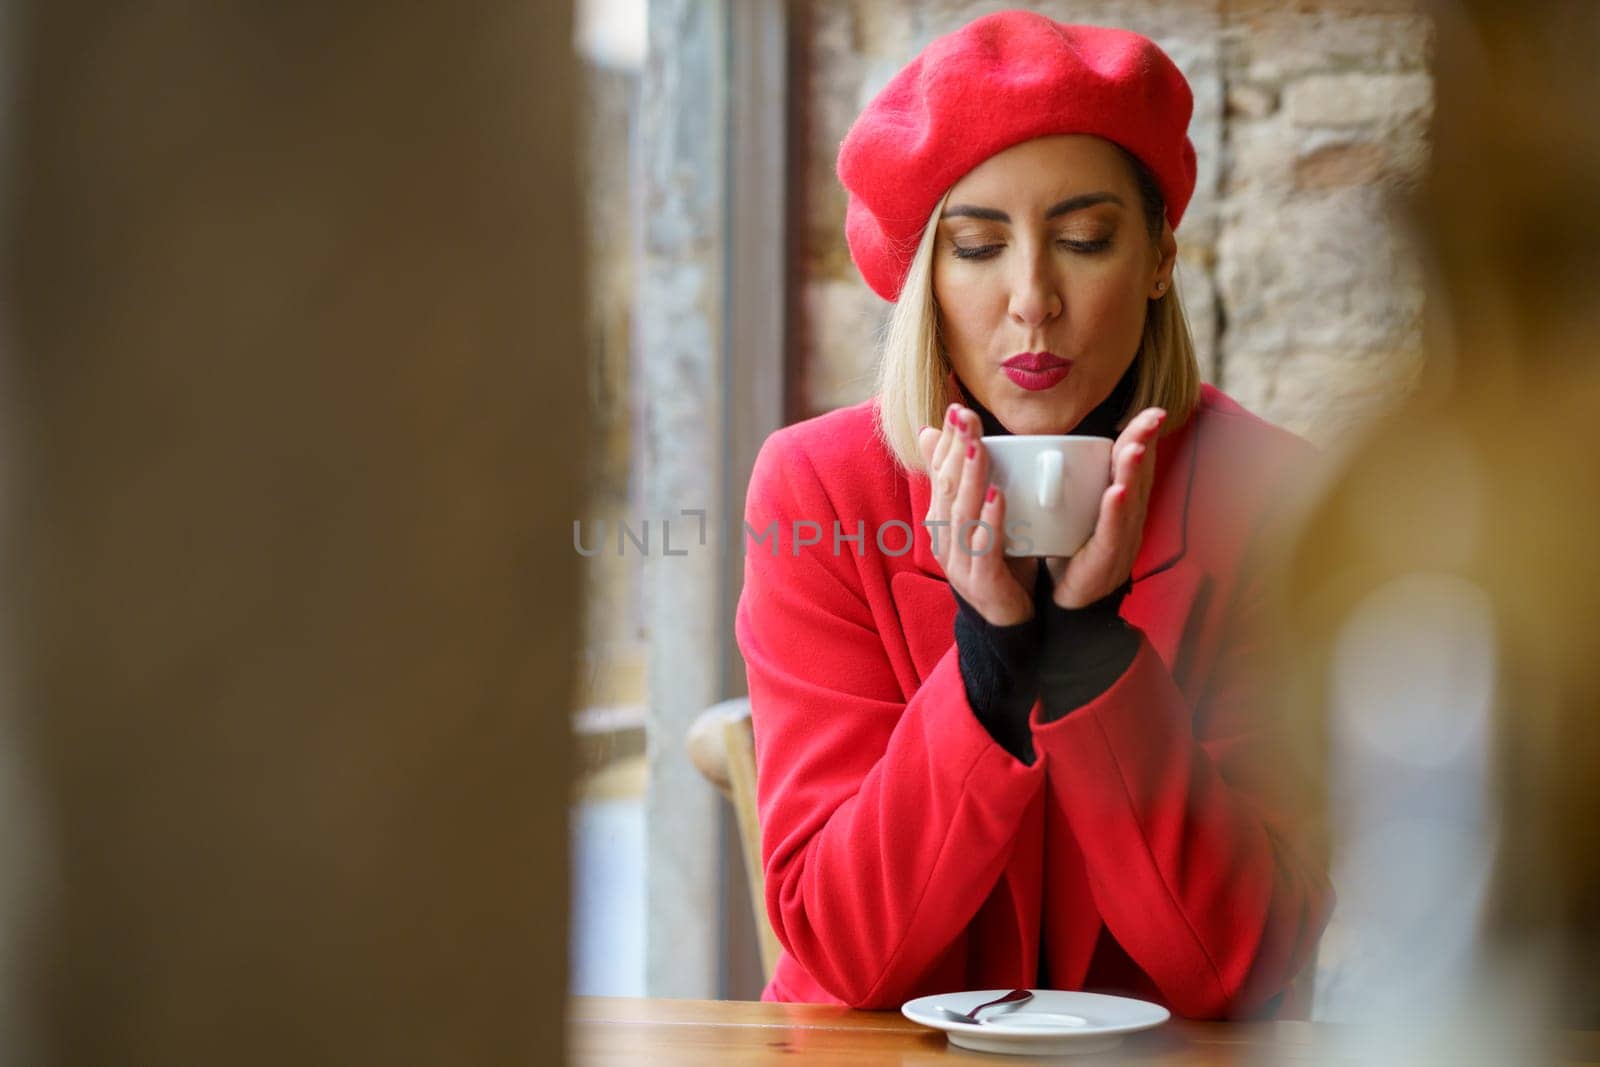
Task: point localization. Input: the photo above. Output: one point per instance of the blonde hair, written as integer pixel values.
(913, 387)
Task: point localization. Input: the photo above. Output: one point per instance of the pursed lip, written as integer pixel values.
(1037, 362)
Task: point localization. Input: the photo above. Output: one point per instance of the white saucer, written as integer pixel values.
(1053, 1023)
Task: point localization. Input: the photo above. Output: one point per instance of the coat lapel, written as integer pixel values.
(1168, 605)
(927, 617)
(1162, 543)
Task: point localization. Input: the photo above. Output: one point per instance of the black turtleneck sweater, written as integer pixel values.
(1064, 657)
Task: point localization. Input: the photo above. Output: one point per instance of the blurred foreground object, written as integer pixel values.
(1446, 595)
(293, 353)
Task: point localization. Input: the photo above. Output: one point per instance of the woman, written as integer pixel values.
(974, 771)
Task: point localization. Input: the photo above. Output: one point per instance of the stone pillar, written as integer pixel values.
(680, 371)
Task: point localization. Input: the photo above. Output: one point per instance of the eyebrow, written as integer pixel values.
(1071, 204)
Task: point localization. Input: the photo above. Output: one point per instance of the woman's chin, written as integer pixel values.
(1035, 421)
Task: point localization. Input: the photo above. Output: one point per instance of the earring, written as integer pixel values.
(1161, 286)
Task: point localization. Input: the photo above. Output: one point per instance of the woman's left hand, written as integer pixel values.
(1105, 562)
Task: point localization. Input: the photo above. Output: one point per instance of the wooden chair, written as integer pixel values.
(722, 748)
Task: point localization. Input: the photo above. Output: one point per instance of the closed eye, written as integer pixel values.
(990, 251)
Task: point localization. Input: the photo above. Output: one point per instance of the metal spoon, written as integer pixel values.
(1011, 1001)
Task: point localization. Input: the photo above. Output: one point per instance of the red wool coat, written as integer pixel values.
(1156, 846)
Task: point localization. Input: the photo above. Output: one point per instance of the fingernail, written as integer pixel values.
(953, 420)
(988, 498)
(972, 450)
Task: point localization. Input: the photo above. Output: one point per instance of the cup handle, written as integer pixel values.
(1049, 479)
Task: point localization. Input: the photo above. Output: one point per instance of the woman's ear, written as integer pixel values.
(1166, 261)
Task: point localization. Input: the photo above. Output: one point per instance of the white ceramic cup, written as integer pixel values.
(1053, 486)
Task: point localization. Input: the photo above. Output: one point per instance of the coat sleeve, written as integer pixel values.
(1200, 826)
(885, 823)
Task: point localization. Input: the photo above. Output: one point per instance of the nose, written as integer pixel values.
(1035, 291)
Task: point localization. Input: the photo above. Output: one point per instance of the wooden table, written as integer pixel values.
(607, 1031)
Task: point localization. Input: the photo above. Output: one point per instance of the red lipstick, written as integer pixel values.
(1036, 371)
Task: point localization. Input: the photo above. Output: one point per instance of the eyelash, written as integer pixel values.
(988, 251)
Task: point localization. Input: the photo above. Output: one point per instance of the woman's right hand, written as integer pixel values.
(973, 556)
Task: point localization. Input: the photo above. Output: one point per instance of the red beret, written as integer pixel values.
(1000, 80)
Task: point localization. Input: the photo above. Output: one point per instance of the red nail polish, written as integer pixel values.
(972, 450)
(953, 418)
(988, 498)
